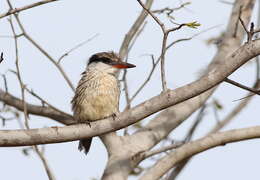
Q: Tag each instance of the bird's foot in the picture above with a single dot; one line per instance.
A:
(114, 116)
(87, 123)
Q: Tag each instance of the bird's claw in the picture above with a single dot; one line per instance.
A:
(114, 115)
(88, 123)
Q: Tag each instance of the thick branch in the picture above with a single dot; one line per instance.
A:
(159, 127)
(200, 145)
(155, 104)
(48, 112)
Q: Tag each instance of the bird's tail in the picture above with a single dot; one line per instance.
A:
(84, 144)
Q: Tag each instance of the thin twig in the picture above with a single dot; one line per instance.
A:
(176, 145)
(255, 91)
(169, 11)
(76, 47)
(24, 33)
(16, 10)
(226, 2)
(196, 123)
(165, 35)
(124, 78)
(129, 41)
(231, 116)
(191, 37)
(163, 149)
(215, 111)
(250, 32)
(22, 86)
(179, 167)
(154, 64)
(164, 42)
(233, 113)
(5, 83)
(45, 163)
(1, 57)
(42, 100)
(19, 74)
(4, 119)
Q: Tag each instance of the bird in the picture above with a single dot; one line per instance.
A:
(98, 91)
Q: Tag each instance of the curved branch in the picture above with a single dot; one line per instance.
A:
(141, 111)
(200, 145)
(48, 112)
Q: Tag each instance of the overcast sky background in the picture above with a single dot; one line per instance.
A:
(59, 26)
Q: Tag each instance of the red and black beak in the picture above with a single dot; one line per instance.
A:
(122, 65)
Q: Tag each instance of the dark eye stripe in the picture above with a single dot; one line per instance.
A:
(95, 58)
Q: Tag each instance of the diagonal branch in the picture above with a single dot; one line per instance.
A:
(56, 64)
(16, 10)
(198, 146)
(48, 112)
(135, 114)
(252, 90)
(216, 128)
(133, 30)
(166, 121)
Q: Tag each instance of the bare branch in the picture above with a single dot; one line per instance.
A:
(226, 2)
(19, 75)
(135, 114)
(176, 115)
(233, 113)
(16, 10)
(251, 31)
(219, 125)
(155, 63)
(255, 91)
(163, 149)
(133, 30)
(169, 11)
(22, 86)
(147, 79)
(165, 36)
(42, 100)
(48, 112)
(45, 163)
(1, 57)
(5, 83)
(76, 47)
(200, 145)
(25, 34)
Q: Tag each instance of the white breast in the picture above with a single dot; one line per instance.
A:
(97, 97)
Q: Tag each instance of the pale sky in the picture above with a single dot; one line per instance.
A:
(59, 26)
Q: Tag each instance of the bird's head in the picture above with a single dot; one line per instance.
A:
(108, 62)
